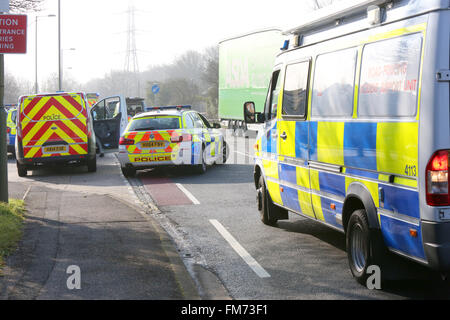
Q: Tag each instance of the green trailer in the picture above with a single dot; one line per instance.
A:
(245, 67)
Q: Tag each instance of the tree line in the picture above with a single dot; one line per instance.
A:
(192, 79)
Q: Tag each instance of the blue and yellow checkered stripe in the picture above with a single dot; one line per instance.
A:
(368, 152)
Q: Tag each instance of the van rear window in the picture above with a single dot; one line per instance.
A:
(156, 123)
(390, 77)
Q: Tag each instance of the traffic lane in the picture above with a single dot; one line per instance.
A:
(300, 266)
(305, 259)
(411, 279)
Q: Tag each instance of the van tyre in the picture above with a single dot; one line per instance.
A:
(225, 152)
(21, 170)
(269, 212)
(128, 172)
(365, 247)
(92, 165)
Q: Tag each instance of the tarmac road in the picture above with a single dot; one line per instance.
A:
(213, 221)
(297, 259)
(88, 220)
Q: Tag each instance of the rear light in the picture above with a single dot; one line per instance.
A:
(126, 142)
(178, 139)
(187, 137)
(437, 179)
(8, 130)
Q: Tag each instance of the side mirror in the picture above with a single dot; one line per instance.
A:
(216, 126)
(249, 112)
(260, 117)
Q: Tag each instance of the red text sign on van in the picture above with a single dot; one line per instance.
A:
(13, 33)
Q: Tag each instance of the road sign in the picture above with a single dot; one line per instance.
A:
(13, 33)
(155, 89)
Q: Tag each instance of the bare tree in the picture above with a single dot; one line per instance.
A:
(211, 79)
(190, 65)
(15, 87)
(50, 84)
(24, 5)
(175, 92)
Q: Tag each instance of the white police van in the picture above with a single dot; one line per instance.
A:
(357, 130)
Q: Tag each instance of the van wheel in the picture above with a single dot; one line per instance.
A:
(92, 165)
(128, 172)
(201, 168)
(365, 247)
(268, 211)
(21, 170)
(225, 151)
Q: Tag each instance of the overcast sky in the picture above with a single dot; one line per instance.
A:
(164, 30)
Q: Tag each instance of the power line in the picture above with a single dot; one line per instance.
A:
(131, 59)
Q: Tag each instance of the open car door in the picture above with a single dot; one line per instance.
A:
(110, 121)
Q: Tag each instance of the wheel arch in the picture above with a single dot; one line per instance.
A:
(359, 197)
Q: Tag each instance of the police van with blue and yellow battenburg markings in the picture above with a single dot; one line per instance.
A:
(356, 130)
(11, 129)
(168, 136)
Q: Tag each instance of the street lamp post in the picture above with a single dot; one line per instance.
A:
(61, 65)
(36, 86)
(59, 48)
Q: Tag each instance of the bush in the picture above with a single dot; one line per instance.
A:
(11, 222)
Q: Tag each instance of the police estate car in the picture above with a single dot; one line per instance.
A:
(166, 136)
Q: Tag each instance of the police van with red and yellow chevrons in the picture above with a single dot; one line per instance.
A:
(356, 130)
(168, 136)
(54, 128)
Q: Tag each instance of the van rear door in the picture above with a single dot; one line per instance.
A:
(110, 121)
(54, 125)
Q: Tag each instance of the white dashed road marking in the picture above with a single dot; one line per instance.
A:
(188, 194)
(240, 250)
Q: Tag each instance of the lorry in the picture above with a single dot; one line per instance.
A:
(245, 65)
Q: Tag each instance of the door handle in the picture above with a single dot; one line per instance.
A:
(283, 136)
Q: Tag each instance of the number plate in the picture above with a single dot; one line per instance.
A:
(153, 144)
(55, 149)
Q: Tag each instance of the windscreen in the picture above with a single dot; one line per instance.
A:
(155, 123)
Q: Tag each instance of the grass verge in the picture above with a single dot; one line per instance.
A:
(11, 223)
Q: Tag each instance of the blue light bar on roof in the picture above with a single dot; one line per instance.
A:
(167, 108)
(285, 45)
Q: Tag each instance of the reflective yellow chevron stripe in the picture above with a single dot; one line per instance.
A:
(54, 118)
